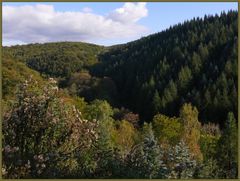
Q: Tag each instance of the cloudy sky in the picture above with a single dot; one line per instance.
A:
(100, 23)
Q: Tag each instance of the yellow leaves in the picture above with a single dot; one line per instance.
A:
(124, 136)
(192, 126)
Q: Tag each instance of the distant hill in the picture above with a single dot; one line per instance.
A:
(56, 59)
(13, 74)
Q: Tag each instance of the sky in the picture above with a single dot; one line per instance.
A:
(103, 23)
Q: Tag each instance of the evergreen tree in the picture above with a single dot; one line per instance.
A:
(144, 161)
(156, 102)
(228, 148)
(104, 149)
(180, 162)
(184, 77)
(208, 170)
(196, 63)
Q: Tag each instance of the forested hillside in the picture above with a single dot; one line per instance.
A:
(13, 74)
(164, 106)
(56, 59)
(191, 62)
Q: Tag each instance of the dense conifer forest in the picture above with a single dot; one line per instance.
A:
(163, 106)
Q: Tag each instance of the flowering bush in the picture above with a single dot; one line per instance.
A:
(43, 136)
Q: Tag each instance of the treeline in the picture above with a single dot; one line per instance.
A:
(56, 59)
(195, 61)
(48, 134)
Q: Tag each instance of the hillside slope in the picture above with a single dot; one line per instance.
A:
(56, 59)
(13, 74)
(191, 62)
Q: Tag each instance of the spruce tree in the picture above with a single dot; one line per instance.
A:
(180, 162)
(144, 160)
(227, 148)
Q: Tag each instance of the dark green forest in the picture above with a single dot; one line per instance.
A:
(163, 106)
(191, 62)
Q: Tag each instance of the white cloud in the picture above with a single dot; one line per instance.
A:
(87, 10)
(130, 12)
(42, 23)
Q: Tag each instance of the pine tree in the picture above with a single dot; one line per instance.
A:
(207, 97)
(208, 170)
(156, 102)
(184, 77)
(104, 149)
(180, 162)
(227, 148)
(152, 154)
(196, 63)
(144, 160)
(172, 88)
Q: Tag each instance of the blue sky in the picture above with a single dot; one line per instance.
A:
(101, 23)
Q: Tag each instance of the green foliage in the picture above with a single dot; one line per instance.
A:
(167, 130)
(208, 145)
(84, 85)
(184, 77)
(99, 110)
(180, 162)
(185, 63)
(14, 73)
(156, 101)
(56, 59)
(74, 131)
(103, 152)
(46, 136)
(125, 136)
(210, 134)
(80, 104)
(208, 170)
(196, 63)
(43, 135)
(227, 148)
(144, 160)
